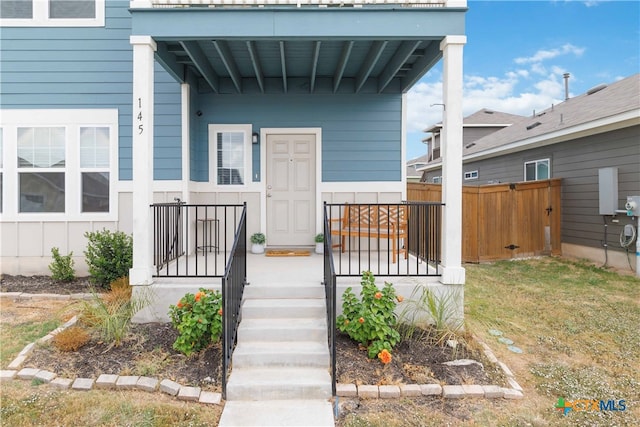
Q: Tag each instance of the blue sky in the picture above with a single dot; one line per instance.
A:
(517, 51)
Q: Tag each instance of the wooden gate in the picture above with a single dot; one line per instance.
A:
(504, 221)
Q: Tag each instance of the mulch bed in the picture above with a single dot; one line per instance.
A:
(147, 350)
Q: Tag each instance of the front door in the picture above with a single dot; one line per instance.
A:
(291, 189)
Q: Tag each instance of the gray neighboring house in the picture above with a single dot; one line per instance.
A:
(413, 166)
(578, 140)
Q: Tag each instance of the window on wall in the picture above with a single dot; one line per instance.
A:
(437, 180)
(537, 170)
(471, 175)
(41, 169)
(62, 163)
(94, 168)
(52, 13)
(229, 154)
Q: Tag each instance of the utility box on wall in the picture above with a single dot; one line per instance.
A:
(608, 190)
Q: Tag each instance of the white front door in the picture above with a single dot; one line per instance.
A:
(291, 189)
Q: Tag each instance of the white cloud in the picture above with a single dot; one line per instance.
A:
(543, 55)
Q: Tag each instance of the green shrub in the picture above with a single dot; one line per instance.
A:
(109, 256)
(62, 266)
(198, 319)
(371, 320)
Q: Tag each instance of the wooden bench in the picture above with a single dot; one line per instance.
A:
(373, 222)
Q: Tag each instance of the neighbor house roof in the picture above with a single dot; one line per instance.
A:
(601, 109)
(481, 118)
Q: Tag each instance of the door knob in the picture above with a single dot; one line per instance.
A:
(268, 194)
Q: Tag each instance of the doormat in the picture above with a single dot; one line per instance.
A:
(287, 252)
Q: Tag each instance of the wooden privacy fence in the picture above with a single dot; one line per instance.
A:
(503, 221)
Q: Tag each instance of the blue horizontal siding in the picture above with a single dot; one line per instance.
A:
(361, 134)
(50, 68)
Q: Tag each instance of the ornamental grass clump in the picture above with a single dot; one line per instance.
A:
(371, 320)
(198, 319)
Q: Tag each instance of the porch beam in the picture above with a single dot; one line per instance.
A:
(283, 63)
(314, 65)
(369, 63)
(342, 64)
(431, 56)
(169, 62)
(201, 62)
(397, 61)
(255, 62)
(227, 59)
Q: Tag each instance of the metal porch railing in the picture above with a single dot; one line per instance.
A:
(388, 239)
(330, 298)
(193, 240)
(233, 283)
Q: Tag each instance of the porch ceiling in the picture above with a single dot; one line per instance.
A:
(299, 50)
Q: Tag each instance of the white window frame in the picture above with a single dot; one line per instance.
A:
(72, 121)
(536, 162)
(41, 18)
(437, 179)
(214, 129)
(2, 169)
(469, 175)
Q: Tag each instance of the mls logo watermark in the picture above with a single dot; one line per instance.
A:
(567, 406)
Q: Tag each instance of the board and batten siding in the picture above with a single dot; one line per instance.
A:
(361, 134)
(577, 162)
(86, 68)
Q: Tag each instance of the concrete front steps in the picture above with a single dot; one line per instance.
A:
(280, 374)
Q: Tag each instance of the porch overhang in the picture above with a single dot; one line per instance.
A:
(231, 50)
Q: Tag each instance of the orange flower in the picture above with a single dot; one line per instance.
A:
(378, 295)
(361, 320)
(400, 298)
(346, 321)
(384, 356)
(220, 312)
(199, 295)
(180, 305)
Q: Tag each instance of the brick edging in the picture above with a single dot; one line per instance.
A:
(445, 391)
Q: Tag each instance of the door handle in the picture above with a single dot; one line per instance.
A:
(268, 194)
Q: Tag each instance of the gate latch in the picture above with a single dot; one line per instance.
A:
(512, 247)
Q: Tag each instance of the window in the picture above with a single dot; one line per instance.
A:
(537, 170)
(471, 175)
(41, 169)
(52, 13)
(437, 180)
(229, 154)
(62, 163)
(94, 168)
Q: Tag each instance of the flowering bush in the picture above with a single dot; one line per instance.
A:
(198, 319)
(371, 321)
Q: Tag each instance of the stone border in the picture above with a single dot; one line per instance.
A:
(445, 391)
(104, 381)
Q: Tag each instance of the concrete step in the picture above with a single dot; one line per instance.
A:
(301, 329)
(283, 308)
(278, 384)
(253, 354)
(284, 291)
(271, 413)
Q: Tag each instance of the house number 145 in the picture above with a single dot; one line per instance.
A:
(140, 125)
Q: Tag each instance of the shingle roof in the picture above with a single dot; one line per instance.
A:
(483, 117)
(601, 102)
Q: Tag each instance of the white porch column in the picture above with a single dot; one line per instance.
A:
(451, 146)
(142, 162)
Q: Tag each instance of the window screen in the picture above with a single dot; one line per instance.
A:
(16, 9)
(72, 9)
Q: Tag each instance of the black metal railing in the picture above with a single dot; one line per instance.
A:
(193, 240)
(233, 283)
(388, 239)
(330, 297)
